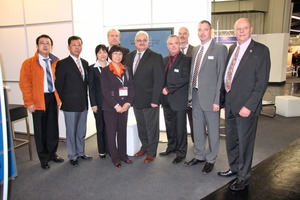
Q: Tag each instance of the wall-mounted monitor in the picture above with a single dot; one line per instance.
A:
(157, 39)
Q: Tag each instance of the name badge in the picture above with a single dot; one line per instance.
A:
(176, 70)
(210, 57)
(123, 91)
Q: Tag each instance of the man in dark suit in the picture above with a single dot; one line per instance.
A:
(245, 81)
(187, 49)
(148, 70)
(113, 38)
(208, 65)
(71, 84)
(175, 98)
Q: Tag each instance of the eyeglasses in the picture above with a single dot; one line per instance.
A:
(242, 28)
(44, 44)
(142, 40)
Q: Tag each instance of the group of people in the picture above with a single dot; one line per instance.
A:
(191, 81)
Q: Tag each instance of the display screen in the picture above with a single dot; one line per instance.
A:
(157, 39)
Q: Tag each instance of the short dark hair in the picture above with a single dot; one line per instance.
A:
(74, 38)
(205, 22)
(115, 48)
(43, 36)
(100, 47)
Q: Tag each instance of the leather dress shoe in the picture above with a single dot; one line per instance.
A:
(128, 161)
(238, 185)
(57, 159)
(177, 160)
(86, 157)
(102, 156)
(226, 173)
(118, 164)
(140, 152)
(45, 166)
(149, 159)
(194, 161)
(74, 162)
(164, 153)
(208, 167)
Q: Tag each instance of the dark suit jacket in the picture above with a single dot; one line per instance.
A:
(72, 89)
(95, 91)
(177, 82)
(148, 78)
(251, 78)
(189, 51)
(110, 85)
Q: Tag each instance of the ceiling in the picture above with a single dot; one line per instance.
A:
(295, 23)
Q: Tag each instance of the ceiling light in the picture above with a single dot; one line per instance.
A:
(295, 17)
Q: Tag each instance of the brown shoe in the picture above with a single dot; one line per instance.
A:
(149, 159)
(140, 152)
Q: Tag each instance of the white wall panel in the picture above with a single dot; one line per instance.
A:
(43, 11)
(117, 13)
(11, 12)
(58, 32)
(174, 11)
(13, 51)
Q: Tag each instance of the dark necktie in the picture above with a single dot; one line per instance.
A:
(49, 77)
(197, 67)
(137, 63)
(170, 63)
(229, 77)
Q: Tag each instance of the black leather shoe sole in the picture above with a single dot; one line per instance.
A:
(238, 185)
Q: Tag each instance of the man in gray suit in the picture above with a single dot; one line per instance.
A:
(208, 65)
(245, 82)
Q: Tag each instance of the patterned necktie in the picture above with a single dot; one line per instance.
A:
(49, 77)
(79, 67)
(197, 67)
(230, 70)
(137, 63)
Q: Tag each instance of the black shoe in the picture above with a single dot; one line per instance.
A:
(208, 167)
(102, 156)
(177, 160)
(165, 153)
(57, 159)
(194, 161)
(238, 185)
(226, 173)
(74, 162)
(86, 157)
(45, 166)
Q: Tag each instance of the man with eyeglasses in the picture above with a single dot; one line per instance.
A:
(245, 81)
(148, 75)
(42, 100)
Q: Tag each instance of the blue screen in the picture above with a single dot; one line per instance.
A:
(157, 39)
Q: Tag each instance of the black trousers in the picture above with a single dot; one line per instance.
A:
(101, 133)
(46, 133)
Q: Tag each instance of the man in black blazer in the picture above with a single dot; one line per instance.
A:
(148, 76)
(71, 84)
(187, 50)
(245, 81)
(175, 98)
(113, 38)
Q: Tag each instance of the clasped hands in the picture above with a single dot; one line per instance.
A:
(124, 108)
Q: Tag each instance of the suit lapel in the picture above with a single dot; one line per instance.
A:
(245, 58)
(205, 56)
